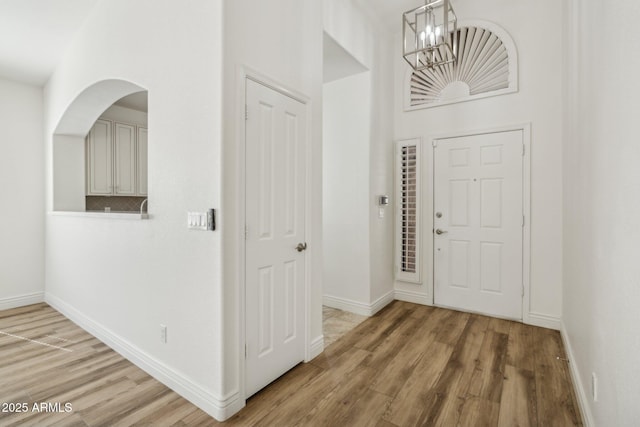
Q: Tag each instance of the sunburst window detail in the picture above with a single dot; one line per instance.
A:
(487, 65)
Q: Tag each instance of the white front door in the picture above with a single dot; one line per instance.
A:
(478, 220)
(275, 224)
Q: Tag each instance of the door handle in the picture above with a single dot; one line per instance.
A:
(438, 231)
(301, 247)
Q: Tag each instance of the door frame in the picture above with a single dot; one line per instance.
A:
(428, 158)
(244, 73)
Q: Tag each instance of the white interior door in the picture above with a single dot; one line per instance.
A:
(275, 215)
(478, 220)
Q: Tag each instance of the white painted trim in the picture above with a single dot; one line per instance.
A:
(528, 316)
(317, 347)
(357, 307)
(311, 345)
(382, 302)
(542, 320)
(581, 392)
(414, 297)
(101, 215)
(21, 300)
(240, 187)
(219, 407)
(526, 231)
(347, 305)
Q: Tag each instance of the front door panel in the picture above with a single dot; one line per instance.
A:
(478, 204)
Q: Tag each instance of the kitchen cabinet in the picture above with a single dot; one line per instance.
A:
(99, 159)
(116, 159)
(142, 161)
(125, 166)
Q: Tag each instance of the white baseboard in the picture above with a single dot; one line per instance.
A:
(414, 297)
(542, 320)
(21, 300)
(358, 307)
(382, 302)
(218, 407)
(317, 347)
(581, 393)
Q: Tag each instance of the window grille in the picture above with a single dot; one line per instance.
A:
(487, 65)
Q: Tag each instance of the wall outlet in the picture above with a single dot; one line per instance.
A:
(594, 386)
(163, 334)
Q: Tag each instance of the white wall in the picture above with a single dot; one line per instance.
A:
(69, 174)
(282, 41)
(122, 278)
(602, 207)
(22, 201)
(536, 34)
(370, 44)
(345, 186)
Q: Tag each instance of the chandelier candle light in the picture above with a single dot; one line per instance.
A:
(430, 35)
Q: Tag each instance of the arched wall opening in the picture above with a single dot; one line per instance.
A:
(70, 156)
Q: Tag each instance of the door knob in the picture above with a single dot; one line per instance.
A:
(438, 231)
(301, 247)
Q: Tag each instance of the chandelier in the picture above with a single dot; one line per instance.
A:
(430, 36)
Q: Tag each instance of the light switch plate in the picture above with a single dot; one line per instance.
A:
(197, 220)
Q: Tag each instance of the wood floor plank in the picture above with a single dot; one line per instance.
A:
(271, 398)
(389, 347)
(475, 411)
(407, 365)
(367, 410)
(518, 401)
(449, 393)
(558, 408)
(452, 326)
(488, 375)
(298, 405)
(500, 326)
(374, 327)
(407, 409)
(338, 402)
(375, 336)
(398, 370)
(166, 410)
(520, 351)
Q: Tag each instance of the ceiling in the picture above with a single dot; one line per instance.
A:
(136, 101)
(337, 62)
(387, 13)
(34, 34)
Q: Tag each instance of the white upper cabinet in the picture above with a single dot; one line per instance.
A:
(142, 161)
(99, 159)
(125, 165)
(116, 159)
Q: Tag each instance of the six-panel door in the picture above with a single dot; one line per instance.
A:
(478, 220)
(275, 206)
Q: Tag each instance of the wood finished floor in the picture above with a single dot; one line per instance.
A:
(408, 365)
